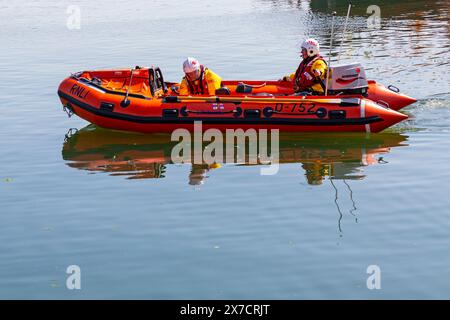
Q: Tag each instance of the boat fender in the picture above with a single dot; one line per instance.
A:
(337, 114)
(106, 106)
(170, 113)
(252, 113)
(171, 99)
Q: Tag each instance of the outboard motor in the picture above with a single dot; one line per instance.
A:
(347, 79)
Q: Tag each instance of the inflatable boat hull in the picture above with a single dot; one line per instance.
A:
(144, 113)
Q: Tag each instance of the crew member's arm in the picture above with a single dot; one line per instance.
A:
(319, 68)
(289, 77)
(213, 81)
(184, 89)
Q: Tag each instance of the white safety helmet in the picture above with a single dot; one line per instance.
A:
(311, 46)
(191, 65)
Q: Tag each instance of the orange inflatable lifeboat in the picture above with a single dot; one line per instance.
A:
(140, 100)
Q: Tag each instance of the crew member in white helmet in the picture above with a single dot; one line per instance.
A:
(311, 74)
(198, 79)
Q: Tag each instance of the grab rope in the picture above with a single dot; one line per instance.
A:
(254, 86)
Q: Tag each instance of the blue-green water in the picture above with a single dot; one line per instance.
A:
(141, 227)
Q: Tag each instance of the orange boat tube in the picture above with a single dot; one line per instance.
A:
(389, 97)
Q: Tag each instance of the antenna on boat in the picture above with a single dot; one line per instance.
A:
(329, 56)
(345, 29)
(125, 102)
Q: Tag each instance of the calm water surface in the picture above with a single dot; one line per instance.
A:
(141, 227)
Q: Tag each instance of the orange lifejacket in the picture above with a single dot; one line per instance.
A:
(304, 78)
(201, 87)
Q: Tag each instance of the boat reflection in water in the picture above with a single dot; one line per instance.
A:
(139, 156)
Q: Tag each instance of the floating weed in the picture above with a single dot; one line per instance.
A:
(368, 54)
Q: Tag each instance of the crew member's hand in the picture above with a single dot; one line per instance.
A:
(285, 78)
(316, 72)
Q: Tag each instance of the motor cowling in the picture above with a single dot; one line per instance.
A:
(348, 79)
